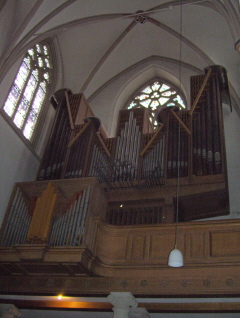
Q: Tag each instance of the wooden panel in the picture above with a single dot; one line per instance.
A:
(225, 243)
(157, 249)
(203, 205)
(111, 247)
(42, 216)
(84, 109)
(147, 125)
(197, 245)
(138, 247)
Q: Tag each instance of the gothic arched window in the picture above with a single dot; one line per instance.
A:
(155, 95)
(29, 89)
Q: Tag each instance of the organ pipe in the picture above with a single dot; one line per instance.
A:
(136, 156)
(17, 221)
(68, 228)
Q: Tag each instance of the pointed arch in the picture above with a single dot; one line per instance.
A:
(156, 94)
(29, 89)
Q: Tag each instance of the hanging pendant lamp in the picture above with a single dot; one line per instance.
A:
(175, 258)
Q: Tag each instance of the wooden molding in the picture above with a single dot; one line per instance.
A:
(221, 281)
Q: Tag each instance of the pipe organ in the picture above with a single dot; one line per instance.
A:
(140, 157)
(132, 159)
(100, 216)
(138, 169)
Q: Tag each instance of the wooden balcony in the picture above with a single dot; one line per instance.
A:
(109, 257)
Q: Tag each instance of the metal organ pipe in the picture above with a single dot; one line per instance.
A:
(215, 129)
(68, 229)
(45, 168)
(18, 221)
(207, 157)
(153, 162)
(55, 153)
(100, 166)
(125, 163)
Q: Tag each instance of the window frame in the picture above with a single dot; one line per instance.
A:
(38, 129)
(139, 90)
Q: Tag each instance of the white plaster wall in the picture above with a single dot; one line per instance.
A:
(232, 140)
(17, 164)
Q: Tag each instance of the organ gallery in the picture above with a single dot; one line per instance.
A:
(105, 206)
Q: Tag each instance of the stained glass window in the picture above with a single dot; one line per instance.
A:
(28, 91)
(155, 95)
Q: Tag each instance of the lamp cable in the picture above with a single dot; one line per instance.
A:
(179, 130)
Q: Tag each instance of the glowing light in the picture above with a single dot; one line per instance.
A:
(59, 297)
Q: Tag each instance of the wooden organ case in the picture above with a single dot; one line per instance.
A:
(140, 159)
(90, 186)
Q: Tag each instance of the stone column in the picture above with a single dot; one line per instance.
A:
(122, 303)
(139, 312)
(9, 311)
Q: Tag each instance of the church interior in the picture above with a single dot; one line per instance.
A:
(120, 158)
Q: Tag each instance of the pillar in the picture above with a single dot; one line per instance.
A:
(122, 302)
(139, 312)
(9, 311)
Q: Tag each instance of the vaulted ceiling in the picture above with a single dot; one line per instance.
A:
(107, 49)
